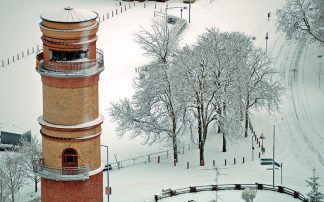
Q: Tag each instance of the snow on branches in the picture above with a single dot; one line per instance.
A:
(302, 19)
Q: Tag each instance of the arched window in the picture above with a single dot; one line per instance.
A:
(69, 158)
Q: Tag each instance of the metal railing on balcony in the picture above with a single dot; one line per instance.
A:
(63, 174)
(70, 68)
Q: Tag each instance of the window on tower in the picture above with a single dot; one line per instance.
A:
(69, 158)
(68, 55)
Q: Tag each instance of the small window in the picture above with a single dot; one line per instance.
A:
(69, 158)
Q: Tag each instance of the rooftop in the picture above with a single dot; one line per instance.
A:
(13, 129)
(69, 15)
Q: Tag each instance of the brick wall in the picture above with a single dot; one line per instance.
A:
(69, 191)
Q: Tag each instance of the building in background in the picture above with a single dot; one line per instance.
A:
(14, 135)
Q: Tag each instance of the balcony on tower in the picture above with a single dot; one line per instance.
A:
(69, 64)
(69, 44)
(62, 174)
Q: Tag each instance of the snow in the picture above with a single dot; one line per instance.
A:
(69, 14)
(299, 135)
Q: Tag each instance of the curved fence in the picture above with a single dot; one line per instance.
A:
(194, 189)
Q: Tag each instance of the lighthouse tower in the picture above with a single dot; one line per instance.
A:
(69, 65)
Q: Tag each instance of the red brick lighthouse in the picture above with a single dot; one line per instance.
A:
(69, 65)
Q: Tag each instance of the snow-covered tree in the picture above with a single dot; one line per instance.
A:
(3, 189)
(195, 72)
(157, 109)
(13, 172)
(260, 90)
(31, 152)
(249, 194)
(157, 42)
(302, 19)
(314, 195)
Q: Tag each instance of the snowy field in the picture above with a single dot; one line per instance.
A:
(300, 132)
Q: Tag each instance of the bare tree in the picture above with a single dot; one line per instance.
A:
(157, 110)
(302, 19)
(31, 152)
(260, 91)
(3, 190)
(13, 172)
(158, 42)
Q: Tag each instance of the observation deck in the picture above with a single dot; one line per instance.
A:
(70, 69)
(62, 174)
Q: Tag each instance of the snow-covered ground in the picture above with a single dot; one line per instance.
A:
(299, 134)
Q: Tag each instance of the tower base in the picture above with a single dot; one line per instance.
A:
(90, 190)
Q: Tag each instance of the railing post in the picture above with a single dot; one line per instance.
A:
(33, 50)
(13, 58)
(234, 161)
(213, 162)
(225, 162)
(167, 153)
(243, 160)
(149, 158)
(22, 54)
(187, 165)
(17, 56)
(2, 63)
(8, 61)
(158, 159)
(183, 150)
(28, 51)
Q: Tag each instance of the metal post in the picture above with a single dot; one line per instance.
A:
(319, 74)
(181, 12)
(267, 37)
(107, 170)
(281, 173)
(273, 155)
(189, 9)
(166, 20)
(252, 149)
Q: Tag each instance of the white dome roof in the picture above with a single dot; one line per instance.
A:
(69, 14)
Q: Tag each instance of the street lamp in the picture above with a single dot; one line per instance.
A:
(319, 74)
(273, 155)
(166, 15)
(267, 37)
(107, 173)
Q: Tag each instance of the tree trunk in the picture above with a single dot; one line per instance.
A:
(12, 197)
(224, 143)
(35, 183)
(201, 154)
(246, 119)
(199, 127)
(175, 150)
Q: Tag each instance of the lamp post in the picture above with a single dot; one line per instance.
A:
(107, 171)
(273, 155)
(166, 15)
(319, 74)
(266, 38)
(189, 9)
(252, 148)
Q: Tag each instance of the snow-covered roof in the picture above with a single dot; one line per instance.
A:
(68, 14)
(14, 129)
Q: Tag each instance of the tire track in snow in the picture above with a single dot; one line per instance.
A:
(300, 128)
